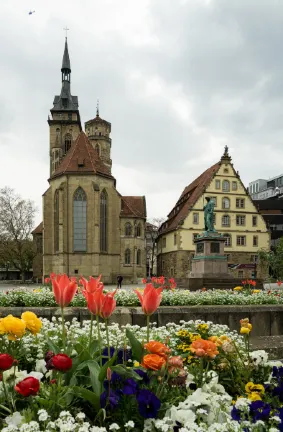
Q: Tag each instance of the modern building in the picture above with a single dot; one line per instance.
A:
(272, 211)
(236, 216)
(88, 227)
(263, 189)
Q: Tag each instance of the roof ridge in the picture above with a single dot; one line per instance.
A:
(71, 155)
(131, 208)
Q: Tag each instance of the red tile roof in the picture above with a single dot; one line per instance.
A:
(133, 206)
(38, 229)
(82, 158)
(188, 198)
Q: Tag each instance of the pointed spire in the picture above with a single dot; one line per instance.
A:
(66, 65)
(97, 108)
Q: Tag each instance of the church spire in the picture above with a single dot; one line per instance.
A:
(66, 65)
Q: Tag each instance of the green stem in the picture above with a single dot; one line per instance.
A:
(90, 332)
(99, 339)
(63, 329)
(107, 336)
(147, 325)
(5, 392)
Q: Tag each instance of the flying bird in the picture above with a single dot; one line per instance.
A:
(31, 12)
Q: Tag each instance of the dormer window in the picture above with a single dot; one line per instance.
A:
(81, 162)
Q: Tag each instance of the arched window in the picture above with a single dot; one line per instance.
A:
(138, 230)
(226, 220)
(127, 256)
(128, 229)
(228, 240)
(68, 142)
(103, 221)
(56, 221)
(226, 186)
(97, 149)
(138, 257)
(225, 203)
(80, 221)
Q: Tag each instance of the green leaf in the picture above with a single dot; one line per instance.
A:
(53, 347)
(94, 371)
(94, 347)
(103, 370)
(125, 372)
(87, 395)
(137, 348)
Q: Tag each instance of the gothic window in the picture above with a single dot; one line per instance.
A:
(127, 256)
(80, 220)
(138, 230)
(56, 221)
(103, 221)
(97, 149)
(226, 186)
(138, 257)
(68, 142)
(225, 203)
(128, 229)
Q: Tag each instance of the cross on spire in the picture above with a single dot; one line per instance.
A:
(66, 30)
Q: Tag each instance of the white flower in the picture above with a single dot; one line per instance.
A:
(42, 415)
(242, 403)
(275, 419)
(37, 375)
(114, 426)
(80, 416)
(40, 366)
(130, 424)
(15, 419)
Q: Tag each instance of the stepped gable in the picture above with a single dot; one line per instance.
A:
(188, 198)
(82, 159)
(133, 206)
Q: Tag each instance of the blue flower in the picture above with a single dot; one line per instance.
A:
(116, 379)
(277, 372)
(278, 391)
(259, 411)
(236, 414)
(130, 386)
(143, 375)
(109, 398)
(124, 355)
(105, 354)
(149, 404)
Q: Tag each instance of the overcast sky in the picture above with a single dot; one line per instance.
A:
(178, 80)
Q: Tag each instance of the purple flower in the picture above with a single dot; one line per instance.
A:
(278, 391)
(236, 414)
(143, 375)
(109, 398)
(260, 411)
(105, 354)
(149, 404)
(130, 386)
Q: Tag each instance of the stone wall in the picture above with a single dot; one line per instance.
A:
(267, 320)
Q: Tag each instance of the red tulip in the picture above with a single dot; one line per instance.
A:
(64, 289)
(93, 284)
(47, 280)
(62, 362)
(108, 305)
(151, 298)
(144, 281)
(29, 386)
(94, 300)
(6, 362)
(279, 283)
(161, 280)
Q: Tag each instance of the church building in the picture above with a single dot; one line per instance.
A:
(88, 227)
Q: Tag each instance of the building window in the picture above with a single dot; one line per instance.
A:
(195, 218)
(240, 274)
(56, 221)
(39, 248)
(68, 142)
(69, 116)
(226, 220)
(80, 220)
(175, 239)
(234, 186)
(225, 203)
(255, 241)
(138, 257)
(217, 184)
(103, 221)
(127, 256)
(226, 186)
(240, 220)
(97, 149)
(195, 236)
(254, 221)
(228, 240)
(138, 230)
(164, 242)
(241, 240)
(228, 257)
(240, 203)
(128, 229)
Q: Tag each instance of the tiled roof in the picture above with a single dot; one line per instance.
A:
(82, 158)
(38, 229)
(188, 198)
(133, 206)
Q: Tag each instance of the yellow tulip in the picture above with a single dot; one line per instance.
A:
(33, 324)
(244, 330)
(14, 327)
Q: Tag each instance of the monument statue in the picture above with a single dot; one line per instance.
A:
(208, 215)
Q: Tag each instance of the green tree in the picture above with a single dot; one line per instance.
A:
(273, 259)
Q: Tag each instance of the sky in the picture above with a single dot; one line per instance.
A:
(178, 80)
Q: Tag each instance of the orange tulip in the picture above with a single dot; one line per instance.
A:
(92, 285)
(108, 306)
(64, 289)
(153, 362)
(158, 348)
(151, 298)
(94, 300)
(204, 348)
(279, 283)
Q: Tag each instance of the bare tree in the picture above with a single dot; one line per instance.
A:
(16, 223)
(152, 228)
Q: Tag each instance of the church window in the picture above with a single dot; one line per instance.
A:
(138, 257)
(225, 203)
(226, 186)
(56, 221)
(103, 221)
(228, 240)
(138, 230)
(97, 149)
(80, 220)
(127, 256)
(68, 142)
(128, 229)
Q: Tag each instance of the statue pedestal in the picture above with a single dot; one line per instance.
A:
(209, 260)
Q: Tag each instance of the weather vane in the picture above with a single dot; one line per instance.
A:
(66, 30)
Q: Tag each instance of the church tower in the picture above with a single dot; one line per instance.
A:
(65, 122)
(98, 132)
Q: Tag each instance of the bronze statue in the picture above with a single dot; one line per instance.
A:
(208, 215)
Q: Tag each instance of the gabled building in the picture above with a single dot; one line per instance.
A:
(236, 216)
(88, 227)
